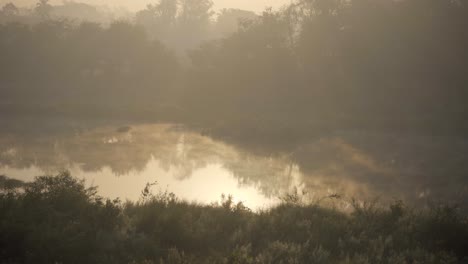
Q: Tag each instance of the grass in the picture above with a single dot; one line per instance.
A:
(57, 219)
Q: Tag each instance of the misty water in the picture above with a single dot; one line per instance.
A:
(121, 159)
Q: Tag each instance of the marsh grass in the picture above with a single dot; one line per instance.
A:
(57, 219)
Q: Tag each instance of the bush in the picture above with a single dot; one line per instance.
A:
(57, 219)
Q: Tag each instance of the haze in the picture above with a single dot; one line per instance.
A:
(135, 5)
(187, 131)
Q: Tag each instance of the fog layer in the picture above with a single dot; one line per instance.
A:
(366, 91)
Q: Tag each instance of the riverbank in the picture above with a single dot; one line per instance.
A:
(59, 220)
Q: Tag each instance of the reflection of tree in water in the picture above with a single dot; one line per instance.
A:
(366, 164)
(176, 150)
(352, 164)
(412, 167)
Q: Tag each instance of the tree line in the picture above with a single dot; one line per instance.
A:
(357, 64)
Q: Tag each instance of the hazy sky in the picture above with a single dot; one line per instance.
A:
(254, 5)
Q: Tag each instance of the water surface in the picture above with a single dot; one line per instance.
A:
(121, 159)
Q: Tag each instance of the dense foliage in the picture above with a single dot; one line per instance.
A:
(54, 64)
(57, 219)
(314, 65)
(360, 64)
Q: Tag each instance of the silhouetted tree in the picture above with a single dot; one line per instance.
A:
(159, 19)
(10, 10)
(230, 20)
(43, 9)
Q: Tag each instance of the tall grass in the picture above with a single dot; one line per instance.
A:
(57, 219)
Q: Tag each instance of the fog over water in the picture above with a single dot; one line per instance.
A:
(122, 159)
(355, 98)
(193, 166)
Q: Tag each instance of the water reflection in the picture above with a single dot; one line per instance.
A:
(122, 159)
(401, 166)
(205, 184)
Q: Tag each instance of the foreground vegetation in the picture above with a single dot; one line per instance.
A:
(57, 219)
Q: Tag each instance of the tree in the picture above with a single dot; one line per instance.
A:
(158, 19)
(229, 20)
(10, 10)
(167, 11)
(195, 13)
(181, 24)
(43, 9)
